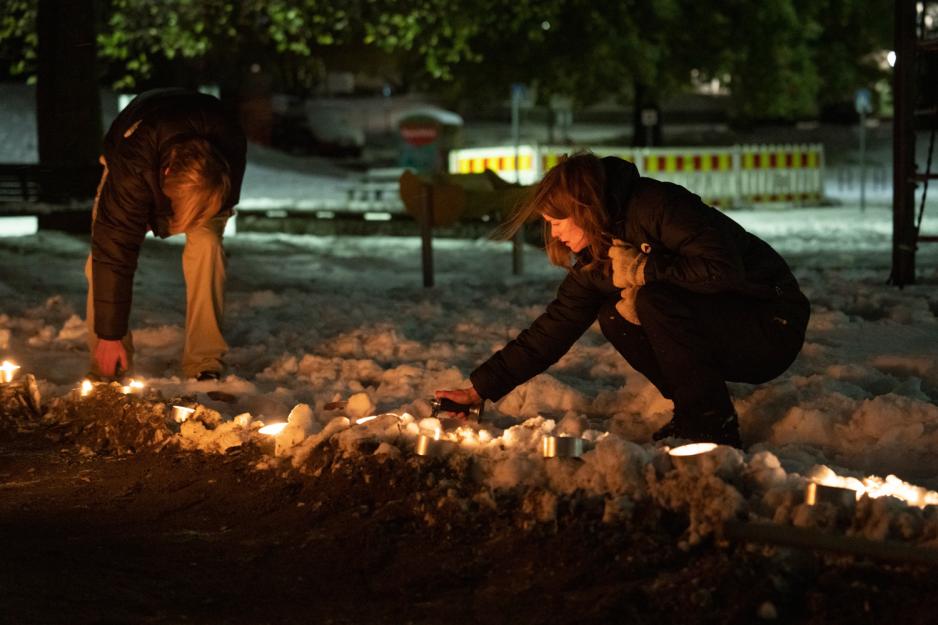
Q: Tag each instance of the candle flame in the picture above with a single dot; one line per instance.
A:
(694, 449)
(273, 429)
(181, 413)
(7, 370)
(133, 386)
(874, 486)
(436, 434)
(86, 388)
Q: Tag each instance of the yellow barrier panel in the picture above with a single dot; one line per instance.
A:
(723, 176)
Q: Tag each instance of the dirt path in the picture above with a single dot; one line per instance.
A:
(189, 538)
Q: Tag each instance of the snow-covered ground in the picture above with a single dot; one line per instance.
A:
(311, 320)
(315, 319)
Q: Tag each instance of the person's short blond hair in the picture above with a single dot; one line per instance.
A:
(197, 181)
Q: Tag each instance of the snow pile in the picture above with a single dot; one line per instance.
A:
(710, 488)
(107, 421)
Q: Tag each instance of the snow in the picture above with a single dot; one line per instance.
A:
(312, 321)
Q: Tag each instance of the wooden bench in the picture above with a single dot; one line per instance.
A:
(32, 183)
(19, 183)
(443, 199)
(58, 198)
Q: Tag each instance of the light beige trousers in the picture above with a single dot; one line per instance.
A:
(204, 267)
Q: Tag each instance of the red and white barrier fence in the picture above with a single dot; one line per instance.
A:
(725, 176)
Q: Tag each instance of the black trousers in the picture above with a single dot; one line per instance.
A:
(689, 345)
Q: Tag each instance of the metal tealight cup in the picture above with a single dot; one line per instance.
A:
(562, 447)
(815, 494)
(432, 447)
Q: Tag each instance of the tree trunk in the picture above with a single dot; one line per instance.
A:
(68, 103)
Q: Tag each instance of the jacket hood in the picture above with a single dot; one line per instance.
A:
(621, 179)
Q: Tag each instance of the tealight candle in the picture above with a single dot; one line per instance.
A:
(273, 429)
(562, 447)
(821, 493)
(693, 449)
(696, 458)
(434, 447)
(135, 386)
(181, 413)
(8, 371)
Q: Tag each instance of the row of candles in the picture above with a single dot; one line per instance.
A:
(828, 487)
(435, 446)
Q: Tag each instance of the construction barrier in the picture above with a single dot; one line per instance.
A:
(728, 176)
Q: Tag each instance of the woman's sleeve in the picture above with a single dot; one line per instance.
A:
(700, 251)
(545, 342)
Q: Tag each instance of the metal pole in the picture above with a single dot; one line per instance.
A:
(862, 161)
(517, 242)
(426, 234)
(903, 147)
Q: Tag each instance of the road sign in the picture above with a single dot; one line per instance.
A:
(649, 117)
(863, 101)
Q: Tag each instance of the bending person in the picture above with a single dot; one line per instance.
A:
(173, 164)
(683, 292)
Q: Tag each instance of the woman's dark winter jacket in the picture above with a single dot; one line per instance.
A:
(689, 244)
(131, 200)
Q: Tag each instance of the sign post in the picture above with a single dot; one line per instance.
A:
(518, 93)
(649, 121)
(863, 103)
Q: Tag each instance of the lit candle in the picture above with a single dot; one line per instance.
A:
(7, 371)
(693, 449)
(696, 458)
(562, 447)
(181, 413)
(86, 388)
(822, 493)
(273, 429)
(434, 447)
(135, 387)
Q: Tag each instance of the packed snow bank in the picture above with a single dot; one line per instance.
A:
(710, 484)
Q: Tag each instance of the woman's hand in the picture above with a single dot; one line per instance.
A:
(464, 396)
(468, 396)
(628, 264)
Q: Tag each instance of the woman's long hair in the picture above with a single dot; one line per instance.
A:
(571, 189)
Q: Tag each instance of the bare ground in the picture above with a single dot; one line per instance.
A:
(183, 537)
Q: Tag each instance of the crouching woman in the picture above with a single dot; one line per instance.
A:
(687, 296)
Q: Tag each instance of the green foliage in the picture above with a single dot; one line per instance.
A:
(18, 38)
(780, 58)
